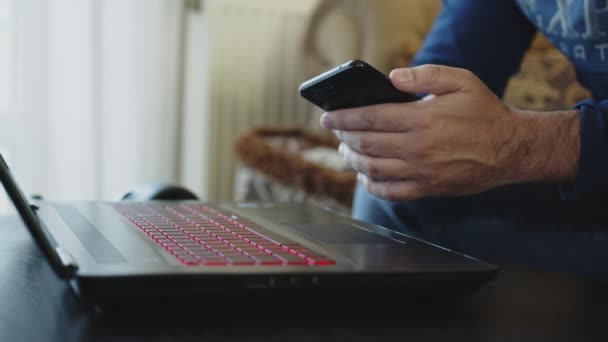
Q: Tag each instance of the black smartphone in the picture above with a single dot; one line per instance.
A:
(352, 84)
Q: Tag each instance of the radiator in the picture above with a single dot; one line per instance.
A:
(247, 57)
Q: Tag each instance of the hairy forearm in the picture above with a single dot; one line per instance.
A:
(546, 147)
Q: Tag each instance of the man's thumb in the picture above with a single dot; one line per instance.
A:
(430, 79)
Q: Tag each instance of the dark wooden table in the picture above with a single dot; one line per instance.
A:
(521, 304)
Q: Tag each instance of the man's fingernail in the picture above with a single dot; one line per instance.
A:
(326, 121)
(403, 75)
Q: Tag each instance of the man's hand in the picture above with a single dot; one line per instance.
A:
(461, 139)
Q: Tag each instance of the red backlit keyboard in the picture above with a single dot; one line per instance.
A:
(201, 235)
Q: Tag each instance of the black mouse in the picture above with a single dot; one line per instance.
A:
(158, 191)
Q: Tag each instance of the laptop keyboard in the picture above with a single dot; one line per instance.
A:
(202, 235)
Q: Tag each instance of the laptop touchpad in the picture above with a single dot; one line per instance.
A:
(337, 233)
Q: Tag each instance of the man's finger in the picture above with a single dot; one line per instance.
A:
(378, 169)
(393, 191)
(375, 144)
(431, 79)
(388, 117)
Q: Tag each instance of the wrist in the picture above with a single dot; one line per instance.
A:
(546, 147)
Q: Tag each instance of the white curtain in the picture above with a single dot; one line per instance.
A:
(96, 95)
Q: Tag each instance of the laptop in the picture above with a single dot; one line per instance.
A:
(188, 251)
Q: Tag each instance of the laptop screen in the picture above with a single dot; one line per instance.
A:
(29, 217)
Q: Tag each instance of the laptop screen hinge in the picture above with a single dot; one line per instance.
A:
(67, 260)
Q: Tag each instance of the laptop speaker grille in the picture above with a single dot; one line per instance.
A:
(96, 244)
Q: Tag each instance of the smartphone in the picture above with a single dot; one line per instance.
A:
(352, 84)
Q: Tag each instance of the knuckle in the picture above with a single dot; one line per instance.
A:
(431, 72)
(371, 119)
(424, 152)
(423, 120)
(396, 147)
(432, 180)
(422, 149)
(338, 120)
(396, 121)
(373, 170)
(364, 145)
(468, 74)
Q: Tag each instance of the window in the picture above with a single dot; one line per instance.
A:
(75, 85)
(5, 85)
(5, 55)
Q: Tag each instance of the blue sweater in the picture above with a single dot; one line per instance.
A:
(489, 37)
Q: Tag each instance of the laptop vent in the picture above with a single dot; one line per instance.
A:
(96, 244)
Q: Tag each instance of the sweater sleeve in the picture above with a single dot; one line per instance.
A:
(488, 38)
(592, 176)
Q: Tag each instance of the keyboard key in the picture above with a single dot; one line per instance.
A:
(214, 262)
(266, 259)
(239, 259)
(324, 262)
(291, 259)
